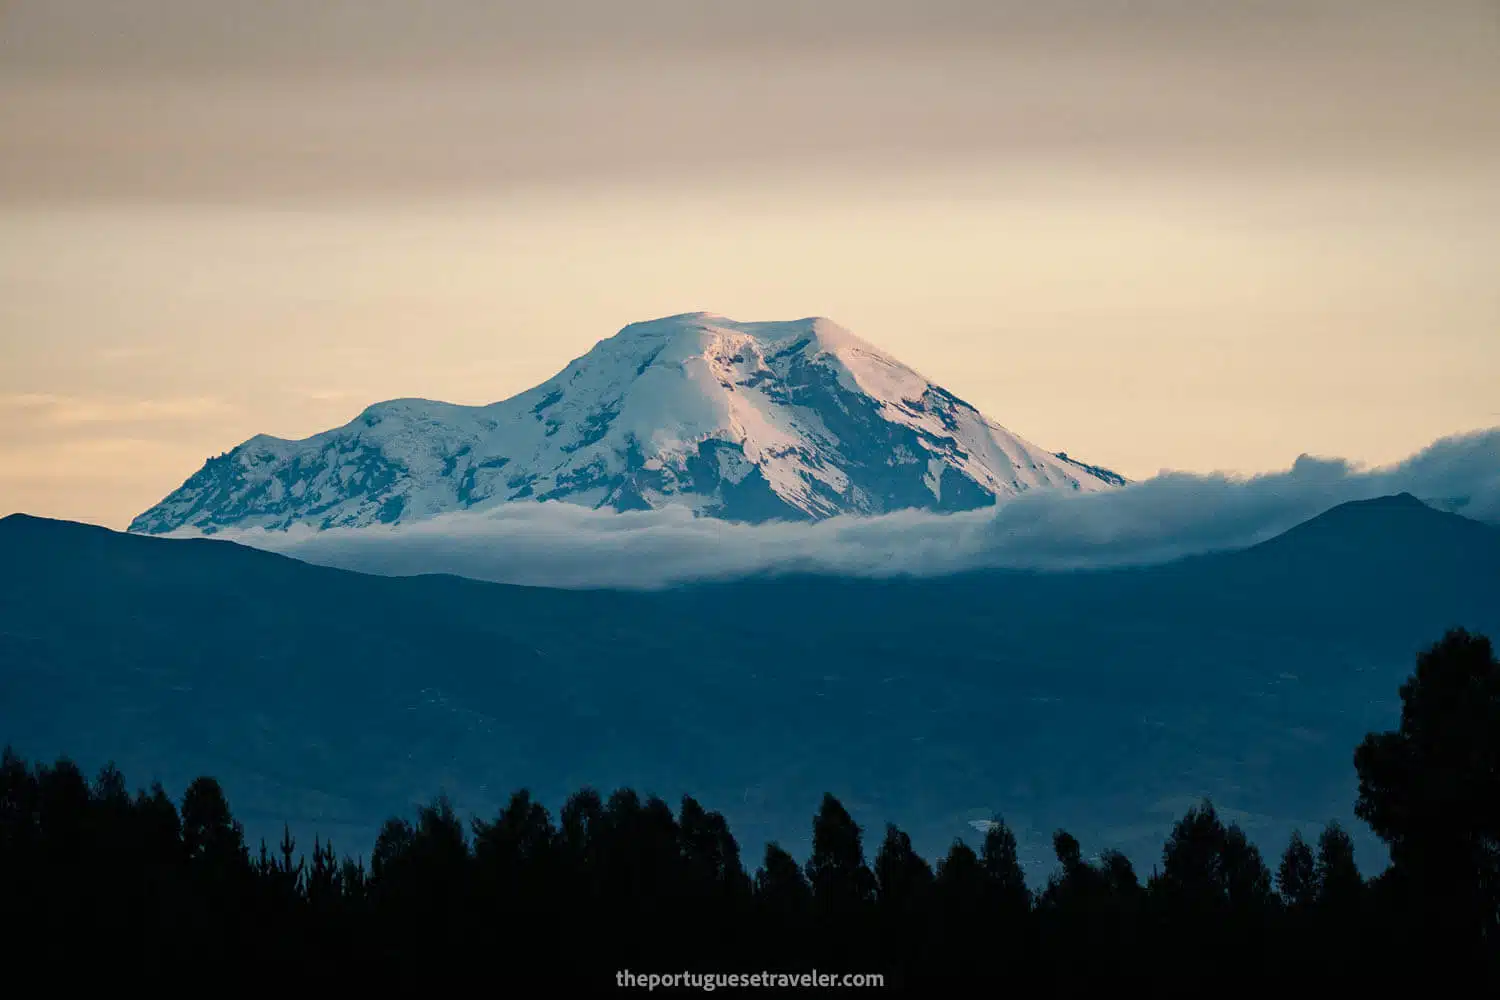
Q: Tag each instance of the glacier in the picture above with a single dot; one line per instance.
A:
(752, 422)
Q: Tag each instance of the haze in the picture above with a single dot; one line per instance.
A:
(1190, 235)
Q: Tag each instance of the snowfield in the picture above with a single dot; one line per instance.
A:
(752, 422)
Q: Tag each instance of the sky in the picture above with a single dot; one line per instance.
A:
(1157, 234)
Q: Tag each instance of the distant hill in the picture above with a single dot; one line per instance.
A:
(1102, 701)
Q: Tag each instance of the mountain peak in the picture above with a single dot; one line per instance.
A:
(820, 329)
(1395, 501)
(746, 421)
(712, 334)
(1390, 503)
(1346, 529)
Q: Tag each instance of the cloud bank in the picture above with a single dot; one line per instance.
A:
(1166, 517)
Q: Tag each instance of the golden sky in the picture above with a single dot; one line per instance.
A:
(1156, 233)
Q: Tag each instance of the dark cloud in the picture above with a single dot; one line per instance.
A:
(1166, 517)
(164, 38)
(284, 99)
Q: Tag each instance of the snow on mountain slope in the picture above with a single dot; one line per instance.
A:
(741, 421)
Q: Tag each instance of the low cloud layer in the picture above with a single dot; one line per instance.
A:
(1163, 518)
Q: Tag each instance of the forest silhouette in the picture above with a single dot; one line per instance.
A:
(97, 881)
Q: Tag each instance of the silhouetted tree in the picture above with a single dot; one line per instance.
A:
(903, 887)
(218, 868)
(1002, 868)
(517, 876)
(711, 854)
(1339, 884)
(716, 891)
(783, 907)
(1213, 892)
(843, 886)
(211, 836)
(1092, 908)
(580, 832)
(1431, 790)
(325, 879)
(516, 854)
(1299, 950)
(420, 881)
(160, 826)
(1339, 916)
(1296, 877)
(85, 869)
(960, 920)
(902, 878)
(640, 868)
(1120, 879)
(111, 793)
(392, 847)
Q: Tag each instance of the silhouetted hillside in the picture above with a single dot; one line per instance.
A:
(625, 890)
(1101, 701)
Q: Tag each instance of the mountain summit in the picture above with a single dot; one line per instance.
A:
(739, 421)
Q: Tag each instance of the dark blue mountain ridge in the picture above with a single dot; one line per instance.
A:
(1100, 701)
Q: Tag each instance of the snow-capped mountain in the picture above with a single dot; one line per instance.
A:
(741, 421)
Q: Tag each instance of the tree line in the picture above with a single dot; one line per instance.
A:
(93, 877)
